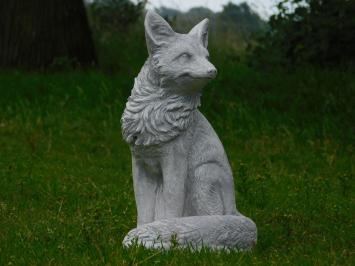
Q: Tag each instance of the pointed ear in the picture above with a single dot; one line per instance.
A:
(157, 31)
(201, 32)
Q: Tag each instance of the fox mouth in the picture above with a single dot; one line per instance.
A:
(188, 75)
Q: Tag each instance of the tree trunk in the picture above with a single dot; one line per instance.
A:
(34, 33)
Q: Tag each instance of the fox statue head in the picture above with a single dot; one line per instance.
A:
(180, 61)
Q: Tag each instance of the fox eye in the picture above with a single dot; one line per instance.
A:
(185, 56)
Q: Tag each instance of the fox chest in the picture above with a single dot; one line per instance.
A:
(179, 145)
(154, 157)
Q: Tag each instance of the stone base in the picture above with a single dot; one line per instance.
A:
(215, 232)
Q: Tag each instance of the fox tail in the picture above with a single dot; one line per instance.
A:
(215, 232)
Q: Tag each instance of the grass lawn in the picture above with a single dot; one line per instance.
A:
(66, 194)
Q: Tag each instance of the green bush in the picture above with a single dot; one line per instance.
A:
(314, 32)
(114, 15)
(117, 30)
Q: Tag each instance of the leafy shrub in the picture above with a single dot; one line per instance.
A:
(116, 26)
(318, 32)
(114, 15)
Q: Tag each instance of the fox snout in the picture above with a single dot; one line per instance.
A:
(212, 72)
(200, 68)
(205, 70)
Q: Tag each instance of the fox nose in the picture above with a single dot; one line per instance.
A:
(212, 72)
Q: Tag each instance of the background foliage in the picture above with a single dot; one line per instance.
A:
(317, 32)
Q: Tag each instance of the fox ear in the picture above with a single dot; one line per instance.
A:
(201, 32)
(157, 31)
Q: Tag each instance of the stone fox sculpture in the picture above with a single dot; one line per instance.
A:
(183, 183)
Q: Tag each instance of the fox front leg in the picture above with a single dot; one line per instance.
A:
(172, 195)
(145, 186)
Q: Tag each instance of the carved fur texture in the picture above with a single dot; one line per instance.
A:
(183, 182)
(152, 114)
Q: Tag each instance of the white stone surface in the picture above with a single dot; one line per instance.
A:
(182, 179)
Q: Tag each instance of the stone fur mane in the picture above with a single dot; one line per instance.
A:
(154, 115)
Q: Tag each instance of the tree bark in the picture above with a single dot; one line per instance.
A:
(34, 33)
